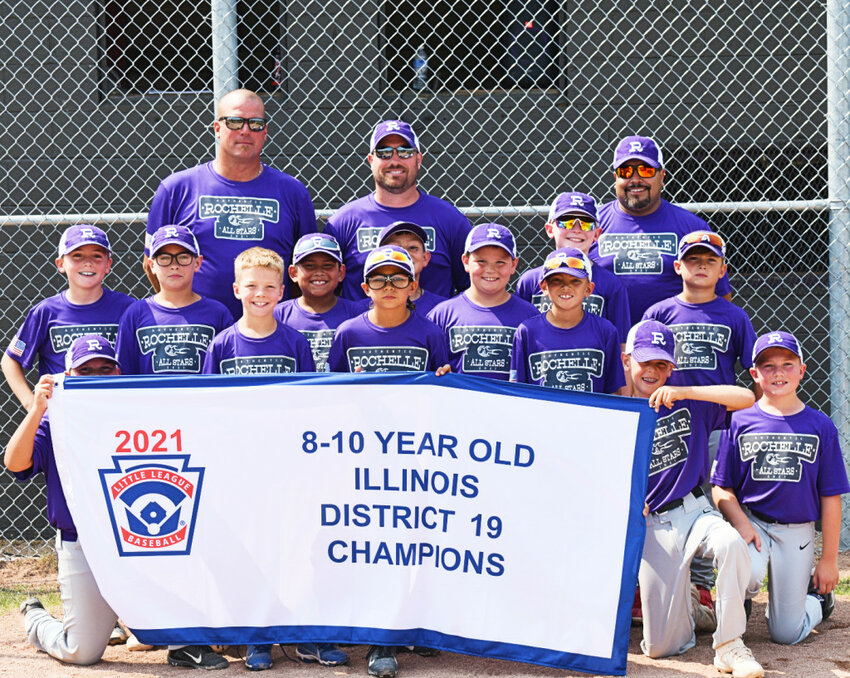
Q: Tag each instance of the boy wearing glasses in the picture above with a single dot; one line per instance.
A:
(233, 202)
(170, 332)
(572, 223)
(395, 157)
(566, 347)
(86, 307)
(317, 269)
(641, 230)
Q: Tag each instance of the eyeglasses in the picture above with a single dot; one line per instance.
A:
(386, 152)
(644, 171)
(235, 123)
(166, 259)
(379, 282)
(575, 222)
(703, 237)
(316, 242)
(569, 262)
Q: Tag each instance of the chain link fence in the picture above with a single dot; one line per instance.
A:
(513, 101)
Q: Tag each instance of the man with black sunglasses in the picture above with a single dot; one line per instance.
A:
(395, 157)
(641, 231)
(235, 201)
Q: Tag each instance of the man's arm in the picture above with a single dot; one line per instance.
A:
(19, 451)
(17, 381)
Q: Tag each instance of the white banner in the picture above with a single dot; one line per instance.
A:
(458, 513)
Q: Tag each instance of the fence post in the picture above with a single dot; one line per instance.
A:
(838, 154)
(225, 54)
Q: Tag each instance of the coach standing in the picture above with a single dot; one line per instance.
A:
(641, 231)
(395, 158)
(235, 201)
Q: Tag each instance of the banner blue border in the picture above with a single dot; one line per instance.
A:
(635, 530)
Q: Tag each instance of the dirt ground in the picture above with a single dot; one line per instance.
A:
(825, 653)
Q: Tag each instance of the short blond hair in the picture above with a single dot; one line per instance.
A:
(258, 257)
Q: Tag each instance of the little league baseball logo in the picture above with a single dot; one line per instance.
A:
(152, 503)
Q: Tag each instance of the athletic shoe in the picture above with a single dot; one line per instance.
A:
(134, 645)
(258, 657)
(420, 650)
(702, 606)
(325, 654)
(31, 604)
(734, 657)
(197, 657)
(637, 611)
(826, 600)
(119, 635)
(381, 661)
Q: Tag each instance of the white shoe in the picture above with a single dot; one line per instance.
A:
(134, 645)
(734, 657)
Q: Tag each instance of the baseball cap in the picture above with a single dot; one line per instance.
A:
(651, 340)
(174, 235)
(780, 339)
(638, 148)
(572, 203)
(316, 242)
(402, 227)
(567, 260)
(387, 127)
(78, 235)
(88, 347)
(389, 255)
(490, 234)
(707, 239)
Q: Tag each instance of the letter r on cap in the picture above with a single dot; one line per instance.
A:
(774, 338)
(392, 127)
(94, 344)
(658, 338)
(635, 147)
(87, 233)
(576, 201)
(494, 233)
(170, 232)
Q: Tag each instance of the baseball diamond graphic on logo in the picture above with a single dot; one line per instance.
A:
(638, 253)
(152, 503)
(669, 447)
(62, 336)
(697, 344)
(778, 456)
(238, 218)
(367, 238)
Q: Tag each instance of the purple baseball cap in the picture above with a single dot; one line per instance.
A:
(316, 242)
(389, 255)
(567, 260)
(707, 239)
(651, 340)
(387, 127)
(572, 203)
(174, 235)
(78, 235)
(638, 148)
(402, 227)
(88, 347)
(784, 340)
(490, 234)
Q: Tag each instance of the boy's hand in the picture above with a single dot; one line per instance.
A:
(826, 575)
(665, 395)
(445, 369)
(42, 392)
(748, 533)
(645, 509)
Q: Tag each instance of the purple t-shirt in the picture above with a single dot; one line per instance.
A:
(481, 339)
(641, 252)
(283, 351)
(53, 323)
(417, 345)
(155, 339)
(426, 303)
(228, 217)
(680, 449)
(609, 299)
(781, 466)
(318, 328)
(582, 358)
(356, 227)
(44, 462)
(710, 338)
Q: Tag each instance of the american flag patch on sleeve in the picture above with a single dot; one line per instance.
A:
(17, 347)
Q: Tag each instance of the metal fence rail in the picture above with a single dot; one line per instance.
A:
(513, 101)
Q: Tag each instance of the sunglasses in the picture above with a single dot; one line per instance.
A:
(575, 222)
(316, 242)
(570, 262)
(379, 282)
(386, 152)
(703, 236)
(236, 123)
(644, 171)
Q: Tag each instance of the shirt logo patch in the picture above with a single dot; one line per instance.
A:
(485, 348)
(258, 364)
(669, 447)
(175, 348)
(569, 369)
(320, 344)
(388, 358)
(638, 253)
(697, 345)
(238, 218)
(62, 336)
(778, 456)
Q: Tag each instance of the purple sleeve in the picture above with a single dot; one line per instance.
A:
(439, 349)
(305, 218)
(615, 378)
(337, 361)
(159, 213)
(126, 349)
(832, 474)
(519, 373)
(527, 285)
(746, 337)
(619, 313)
(304, 355)
(721, 472)
(211, 358)
(28, 338)
(42, 447)
(460, 278)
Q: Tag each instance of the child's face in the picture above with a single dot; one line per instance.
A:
(647, 377)
(566, 291)
(317, 275)
(490, 269)
(414, 247)
(86, 266)
(778, 371)
(700, 268)
(259, 288)
(96, 367)
(390, 297)
(175, 277)
(573, 236)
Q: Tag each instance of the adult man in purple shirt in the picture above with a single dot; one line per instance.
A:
(395, 157)
(235, 201)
